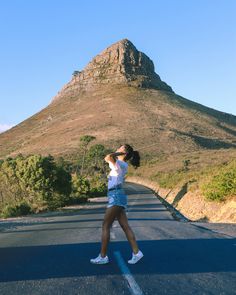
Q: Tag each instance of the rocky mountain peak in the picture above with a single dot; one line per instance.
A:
(120, 63)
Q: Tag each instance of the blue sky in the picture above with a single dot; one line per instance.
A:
(191, 42)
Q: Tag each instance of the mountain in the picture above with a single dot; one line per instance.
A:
(119, 98)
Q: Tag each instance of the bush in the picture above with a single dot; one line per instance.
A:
(222, 184)
(186, 163)
(98, 186)
(22, 208)
(80, 189)
(62, 188)
(35, 179)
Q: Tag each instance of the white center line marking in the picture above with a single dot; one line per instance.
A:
(113, 235)
(134, 287)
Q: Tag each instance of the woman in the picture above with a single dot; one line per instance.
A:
(117, 202)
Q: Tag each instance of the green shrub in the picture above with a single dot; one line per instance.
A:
(22, 208)
(80, 189)
(98, 186)
(73, 200)
(36, 179)
(186, 163)
(222, 184)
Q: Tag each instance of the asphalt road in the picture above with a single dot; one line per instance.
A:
(49, 254)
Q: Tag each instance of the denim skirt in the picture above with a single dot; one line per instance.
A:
(117, 197)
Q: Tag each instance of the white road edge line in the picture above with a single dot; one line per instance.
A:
(134, 287)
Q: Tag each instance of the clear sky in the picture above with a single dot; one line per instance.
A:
(191, 42)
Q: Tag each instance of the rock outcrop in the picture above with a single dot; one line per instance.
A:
(121, 63)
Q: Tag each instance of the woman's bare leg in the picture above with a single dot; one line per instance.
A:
(110, 216)
(123, 221)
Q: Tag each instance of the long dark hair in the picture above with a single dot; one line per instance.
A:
(132, 156)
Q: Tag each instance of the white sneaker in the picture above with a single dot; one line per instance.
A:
(135, 257)
(100, 260)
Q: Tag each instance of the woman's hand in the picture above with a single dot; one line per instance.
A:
(118, 153)
(110, 157)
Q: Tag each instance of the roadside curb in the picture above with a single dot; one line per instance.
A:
(174, 212)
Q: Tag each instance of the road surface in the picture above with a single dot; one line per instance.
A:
(49, 254)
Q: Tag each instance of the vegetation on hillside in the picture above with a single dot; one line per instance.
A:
(32, 183)
(36, 183)
(212, 173)
(222, 184)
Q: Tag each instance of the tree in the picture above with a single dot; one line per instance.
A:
(34, 179)
(76, 73)
(84, 142)
(96, 152)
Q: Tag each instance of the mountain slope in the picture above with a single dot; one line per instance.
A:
(119, 98)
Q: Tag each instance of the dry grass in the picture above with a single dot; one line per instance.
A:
(163, 126)
(169, 170)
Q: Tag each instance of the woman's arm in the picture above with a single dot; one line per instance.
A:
(112, 157)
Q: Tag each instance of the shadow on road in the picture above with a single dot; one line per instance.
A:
(161, 257)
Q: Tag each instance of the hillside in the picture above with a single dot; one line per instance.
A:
(119, 98)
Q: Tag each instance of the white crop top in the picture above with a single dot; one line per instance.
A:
(117, 173)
